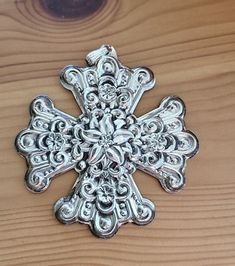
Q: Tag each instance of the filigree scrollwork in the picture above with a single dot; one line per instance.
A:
(106, 144)
(47, 144)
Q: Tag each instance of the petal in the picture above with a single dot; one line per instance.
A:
(94, 122)
(137, 142)
(112, 104)
(119, 123)
(105, 162)
(77, 153)
(91, 135)
(121, 136)
(96, 154)
(136, 151)
(48, 141)
(85, 146)
(136, 130)
(127, 148)
(115, 154)
(106, 125)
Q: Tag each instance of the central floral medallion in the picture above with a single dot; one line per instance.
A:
(107, 137)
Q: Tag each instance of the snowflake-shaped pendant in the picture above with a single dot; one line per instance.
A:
(106, 144)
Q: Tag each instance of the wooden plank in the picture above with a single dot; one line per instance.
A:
(190, 46)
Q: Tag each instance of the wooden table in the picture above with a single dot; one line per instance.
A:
(190, 46)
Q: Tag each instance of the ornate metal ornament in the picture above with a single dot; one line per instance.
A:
(106, 144)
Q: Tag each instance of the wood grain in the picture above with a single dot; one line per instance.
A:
(190, 46)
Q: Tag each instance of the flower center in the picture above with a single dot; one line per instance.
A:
(106, 141)
(106, 194)
(55, 141)
(156, 142)
(107, 92)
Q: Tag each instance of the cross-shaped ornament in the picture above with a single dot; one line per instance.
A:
(106, 144)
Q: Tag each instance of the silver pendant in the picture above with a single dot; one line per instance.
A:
(106, 144)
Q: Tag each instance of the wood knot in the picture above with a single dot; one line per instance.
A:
(72, 9)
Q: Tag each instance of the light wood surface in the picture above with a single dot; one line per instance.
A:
(190, 46)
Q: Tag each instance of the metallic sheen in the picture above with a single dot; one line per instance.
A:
(106, 144)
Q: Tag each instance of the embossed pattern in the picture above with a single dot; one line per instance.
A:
(106, 144)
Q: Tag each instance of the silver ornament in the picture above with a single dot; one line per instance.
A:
(106, 144)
